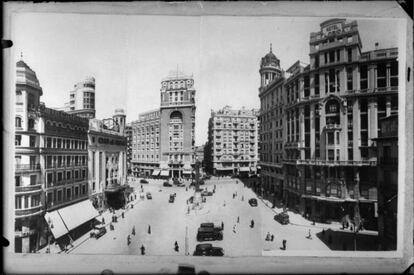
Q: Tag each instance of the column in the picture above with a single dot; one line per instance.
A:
(25, 240)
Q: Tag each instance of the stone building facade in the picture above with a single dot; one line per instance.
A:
(232, 142)
(330, 119)
(82, 99)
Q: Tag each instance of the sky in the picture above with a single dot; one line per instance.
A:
(129, 55)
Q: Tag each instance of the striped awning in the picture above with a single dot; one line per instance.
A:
(165, 173)
(156, 172)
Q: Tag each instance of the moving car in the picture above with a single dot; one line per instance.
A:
(172, 198)
(98, 231)
(143, 181)
(149, 196)
(207, 249)
(206, 193)
(253, 202)
(166, 184)
(209, 234)
(282, 218)
(216, 227)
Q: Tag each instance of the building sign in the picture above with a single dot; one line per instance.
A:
(335, 28)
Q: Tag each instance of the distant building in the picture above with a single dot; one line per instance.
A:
(107, 161)
(387, 175)
(51, 164)
(232, 142)
(82, 99)
(163, 139)
(199, 151)
(319, 123)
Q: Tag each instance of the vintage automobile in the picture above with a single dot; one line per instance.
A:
(143, 181)
(253, 202)
(207, 249)
(149, 196)
(167, 184)
(216, 226)
(282, 218)
(98, 231)
(209, 234)
(172, 198)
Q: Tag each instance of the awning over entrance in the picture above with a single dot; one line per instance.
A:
(63, 220)
(244, 169)
(77, 214)
(156, 172)
(56, 224)
(165, 173)
(187, 172)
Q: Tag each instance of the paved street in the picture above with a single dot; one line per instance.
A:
(168, 223)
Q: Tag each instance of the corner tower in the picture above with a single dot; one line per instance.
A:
(269, 69)
(177, 113)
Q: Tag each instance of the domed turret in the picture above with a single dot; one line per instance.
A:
(120, 118)
(269, 68)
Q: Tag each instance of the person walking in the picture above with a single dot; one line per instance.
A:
(252, 223)
(238, 219)
(309, 235)
(234, 228)
(176, 247)
(133, 230)
(128, 239)
(149, 229)
(222, 225)
(142, 250)
(272, 237)
(284, 245)
(103, 220)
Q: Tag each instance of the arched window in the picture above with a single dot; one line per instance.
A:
(176, 115)
(18, 122)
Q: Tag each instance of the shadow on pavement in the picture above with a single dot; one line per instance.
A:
(344, 240)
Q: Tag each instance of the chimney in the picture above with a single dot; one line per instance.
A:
(376, 46)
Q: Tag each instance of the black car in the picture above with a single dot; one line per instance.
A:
(166, 184)
(211, 225)
(253, 202)
(282, 218)
(207, 249)
(209, 234)
(172, 198)
(143, 181)
(149, 196)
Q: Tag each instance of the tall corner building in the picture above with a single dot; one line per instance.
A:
(163, 139)
(82, 99)
(232, 145)
(319, 124)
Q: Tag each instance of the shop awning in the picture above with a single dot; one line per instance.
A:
(56, 224)
(165, 173)
(187, 172)
(77, 214)
(244, 169)
(156, 172)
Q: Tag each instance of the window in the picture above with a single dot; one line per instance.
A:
(18, 122)
(331, 154)
(363, 71)
(316, 61)
(32, 141)
(349, 55)
(394, 74)
(18, 140)
(316, 81)
(83, 189)
(31, 124)
(349, 79)
(26, 201)
(381, 75)
(49, 178)
(33, 180)
(68, 194)
(68, 175)
(330, 138)
(338, 55)
(18, 202)
(17, 180)
(331, 56)
(59, 176)
(59, 195)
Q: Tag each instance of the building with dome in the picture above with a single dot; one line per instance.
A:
(163, 139)
(50, 165)
(320, 122)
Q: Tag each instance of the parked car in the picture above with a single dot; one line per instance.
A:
(253, 202)
(98, 231)
(282, 218)
(149, 196)
(143, 181)
(172, 198)
(216, 226)
(209, 234)
(207, 249)
(186, 269)
(166, 184)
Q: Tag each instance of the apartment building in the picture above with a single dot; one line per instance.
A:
(232, 142)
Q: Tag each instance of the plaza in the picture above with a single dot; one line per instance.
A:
(169, 222)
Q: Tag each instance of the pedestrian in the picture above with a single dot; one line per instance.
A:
(176, 247)
(234, 228)
(128, 240)
(284, 244)
(122, 214)
(309, 235)
(242, 198)
(222, 225)
(103, 220)
(149, 229)
(133, 230)
(224, 203)
(238, 219)
(267, 237)
(272, 238)
(252, 223)
(142, 250)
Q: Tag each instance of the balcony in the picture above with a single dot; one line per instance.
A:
(35, 210)
(28, 167)
(334, 162)
(29, 189)
(388, 161)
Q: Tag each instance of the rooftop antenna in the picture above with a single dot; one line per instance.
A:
(270, 47)
(21, 55)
